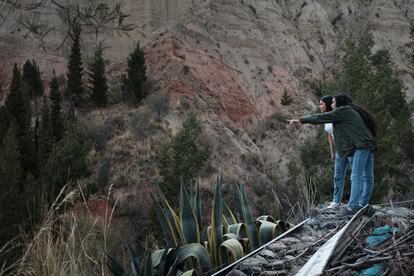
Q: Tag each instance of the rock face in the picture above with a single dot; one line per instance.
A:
(231, 60)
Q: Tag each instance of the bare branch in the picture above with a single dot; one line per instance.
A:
(92, 15)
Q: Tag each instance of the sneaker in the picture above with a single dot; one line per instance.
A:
(334, 205)
(347, 213)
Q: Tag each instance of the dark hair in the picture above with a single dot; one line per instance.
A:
(342, 99)
(369, 119)
(328, 102)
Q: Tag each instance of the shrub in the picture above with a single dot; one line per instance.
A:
(286, 99)
(159, 103)
(183, 156)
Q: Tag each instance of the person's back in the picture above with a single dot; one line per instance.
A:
(350, 131)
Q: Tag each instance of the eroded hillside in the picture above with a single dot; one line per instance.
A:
(231, 61)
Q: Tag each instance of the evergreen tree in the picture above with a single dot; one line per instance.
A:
(11, 178)
(67, 161)
(75, 70)
(28, 78)
(373, 83)
(354, 77)
(136, 75)
(18, 105)
(5, 120)
(183, 157)
(32, 79)
(38, 86)
(98, 80)
(55, 116)
(45, 133)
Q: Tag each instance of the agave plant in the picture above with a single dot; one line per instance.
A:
(227, 239)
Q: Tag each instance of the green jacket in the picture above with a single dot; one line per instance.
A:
(350, 131)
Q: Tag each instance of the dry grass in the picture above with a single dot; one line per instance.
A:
(305, 199)
(69, 243)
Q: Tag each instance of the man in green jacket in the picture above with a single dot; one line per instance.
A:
(354, 130)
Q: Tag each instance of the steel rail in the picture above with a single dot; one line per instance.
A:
(228, 268)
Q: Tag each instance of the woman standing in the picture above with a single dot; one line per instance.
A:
(354, 130)
(325, 105)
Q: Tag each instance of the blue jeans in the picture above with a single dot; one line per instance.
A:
(362, 178)
(339, 176)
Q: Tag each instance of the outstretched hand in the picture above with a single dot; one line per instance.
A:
(294, 122)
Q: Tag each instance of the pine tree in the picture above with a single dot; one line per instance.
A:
(11, 178)
(355, 75)
(28, 78)
(38, 86)
(5, 120)
(98, 80)
(18, 105)
(32, 79)
(75, 70)
(45, 134)
(372, 82)
(136, 75)
(183, 157)
(55, 115)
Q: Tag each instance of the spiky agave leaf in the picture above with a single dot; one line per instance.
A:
(248, 218)
(269, 230)
(148, 269)
(114, 266)
(192, 250)
(197, 209)
(239, 229)
(267, 218)
(233, 249)
(161, 259)
(167, 227)
(229, 236)
(135, 261)
(189, 273)
(228, 215)
(188, 220)
(171, 216)
(215, 234)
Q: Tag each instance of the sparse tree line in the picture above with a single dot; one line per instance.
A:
(43, 146)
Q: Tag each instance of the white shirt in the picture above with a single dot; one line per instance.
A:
(329, 129)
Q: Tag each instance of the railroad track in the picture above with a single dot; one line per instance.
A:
(317, 245)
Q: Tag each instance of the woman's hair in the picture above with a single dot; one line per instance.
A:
(328, 102)
(369, 119)
(342, 99)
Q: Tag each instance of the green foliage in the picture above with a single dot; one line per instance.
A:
(45, 134)
(136, 76)
(98, 80)
(33, 84)
(5, 120)
(11, 183)
(286, 99)
(56, 119)
(67, 161)
(183, 156)
(18, 105)
(75, 70)
(59, 161)
(318, 167)
(372, 82)
(225, 236)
